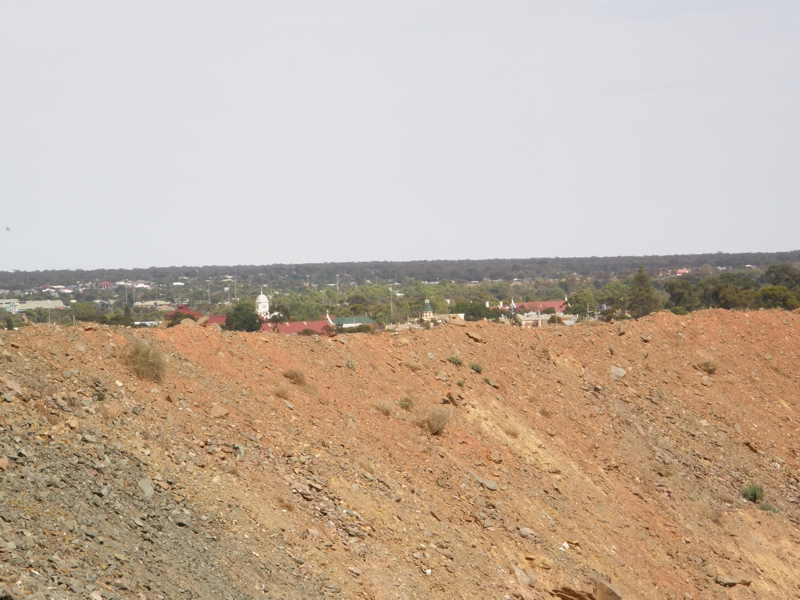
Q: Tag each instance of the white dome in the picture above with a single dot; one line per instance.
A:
(262, 306)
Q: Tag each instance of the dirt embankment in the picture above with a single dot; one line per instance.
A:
(296, 467)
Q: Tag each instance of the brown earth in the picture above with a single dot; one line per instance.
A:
(556, 469)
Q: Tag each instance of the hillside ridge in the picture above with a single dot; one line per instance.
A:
(575, 461)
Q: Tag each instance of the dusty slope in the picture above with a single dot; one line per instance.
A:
(636, 481)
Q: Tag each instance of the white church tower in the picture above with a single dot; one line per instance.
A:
(262, 305)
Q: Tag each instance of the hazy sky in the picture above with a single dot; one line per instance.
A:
(193, 133)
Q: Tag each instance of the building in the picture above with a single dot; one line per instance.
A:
(9, 305)
(184, 310)
(106, 285)
(24, 306)
(559, 306)
(262, 305)
(427, 310)
(348, 322)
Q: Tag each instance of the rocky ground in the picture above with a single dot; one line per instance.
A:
(586, 462)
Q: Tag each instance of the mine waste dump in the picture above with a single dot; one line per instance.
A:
(655, 458)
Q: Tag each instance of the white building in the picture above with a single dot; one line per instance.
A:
(262, 305)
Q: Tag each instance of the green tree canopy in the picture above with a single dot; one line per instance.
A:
(581, 300)
(681, 293)
(642, 299)
(778, 296)
(243, 317)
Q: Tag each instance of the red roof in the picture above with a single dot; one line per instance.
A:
(185, 310)
(105, 284)
(218, 319)
(558, 305)
(297, 326)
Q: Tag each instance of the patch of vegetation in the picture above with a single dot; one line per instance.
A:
(296, 376)
(709, 366)
(512, 430)
(768, 507)
(753, 493)
(176, 319)
(384, 407)
(145, 361)
(460, 383)
(285, 504)
(455, 360)
(406, 403)
(435, 420)
(476, 367)
(283, 391)
(243, 317)
(414, 366)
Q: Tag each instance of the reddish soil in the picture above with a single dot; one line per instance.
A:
(636, 481)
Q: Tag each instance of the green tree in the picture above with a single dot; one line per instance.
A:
(777, 296)
(642, 299)
(581, 300)
(784, 275)
(613, 294)
(243, 317)
(681, 293)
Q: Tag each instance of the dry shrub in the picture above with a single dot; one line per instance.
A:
(367, 466)
(285, 504)
(384, 407)
(112, 410)
(283, 391)
(145, 361)
(435, 420)
(414, 366)
(406, 403)
(545, 413)
(296, 376)
(512, 430)
(709, 366)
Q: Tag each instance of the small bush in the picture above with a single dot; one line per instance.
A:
(512, 430)
(112, 410)
(384, 407)
(435, 420)
(768, 507)
(414, 366)
(406, 403)
(145, 361)
(285, 504)
(460, 383)
(476, 367)
(296, 376)
(283, 391)
(753, 492)
(709, 366)
(455, 360)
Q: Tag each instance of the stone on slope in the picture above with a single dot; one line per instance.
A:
(603, 590)
(617, 372)
(146, 488)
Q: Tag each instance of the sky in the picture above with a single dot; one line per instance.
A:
(160, 133)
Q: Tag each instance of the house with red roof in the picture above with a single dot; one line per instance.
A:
(559, 306)
(106, 285)
(183, 309)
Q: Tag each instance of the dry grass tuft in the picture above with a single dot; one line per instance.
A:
(435, 420)
(296, 376)
(406, 403)
(283, 391)
(112, 410)
(410, 364)
(512, 430)
(384, 407)
(145, 361)
(285, 504)
(709, 366)
(367, 466)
